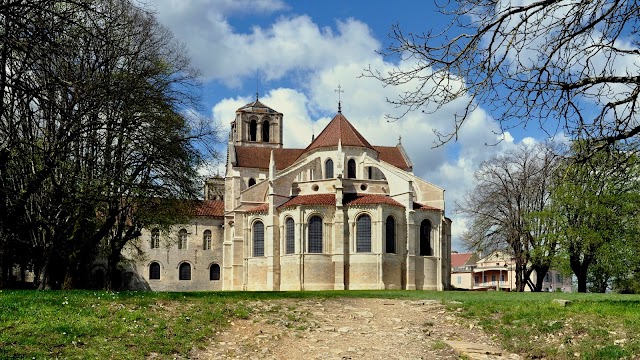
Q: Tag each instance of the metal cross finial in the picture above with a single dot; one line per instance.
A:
(339, 90)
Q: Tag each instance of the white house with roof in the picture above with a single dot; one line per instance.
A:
(338, 214)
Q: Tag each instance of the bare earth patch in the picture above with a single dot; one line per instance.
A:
(349, 328)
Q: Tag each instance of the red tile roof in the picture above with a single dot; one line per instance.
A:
(349, 199)
(417, 206)
(458, 260)
(339, 129)
(393, 155)
(208, 208)
(259, 208)
(258, 157)
(352, 199)
(315, 199)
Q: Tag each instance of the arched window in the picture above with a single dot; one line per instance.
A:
(315, 234)
(425, 238)
(253, 130)
(328, 169)
(251, 182)
(214, 272)
(206, 240)
(289, 236)
(155, 238)
(265, 131)
(258, 238)
(351, 169)
(154, 271)
(182, 239)
(185, 271)
(390, 247)
(363, 234)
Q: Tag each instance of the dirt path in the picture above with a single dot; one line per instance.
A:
(349, 328)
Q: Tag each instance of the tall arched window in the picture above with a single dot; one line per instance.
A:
(258, 238)
(206, 240)
(390, 242)
(182, 239)
(315, 234)
(289, 236)
(154, 271)
(425, 238)
(214, 272)
(184, 272)
(155, 238)
(265, 131)
(328, 169)
(363, 234)
(351, 169)
(251, 182)
(253, 130)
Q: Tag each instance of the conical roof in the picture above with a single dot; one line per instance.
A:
(339, 129)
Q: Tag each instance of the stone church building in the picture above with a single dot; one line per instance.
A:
(338, 214)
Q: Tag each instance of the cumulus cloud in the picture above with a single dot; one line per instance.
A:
(321, 58)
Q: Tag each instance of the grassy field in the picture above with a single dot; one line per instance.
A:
(88, 324)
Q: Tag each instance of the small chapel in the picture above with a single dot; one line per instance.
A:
(339, 214)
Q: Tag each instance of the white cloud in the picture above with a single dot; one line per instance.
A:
(320, 59)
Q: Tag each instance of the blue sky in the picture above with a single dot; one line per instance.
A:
(302, 51)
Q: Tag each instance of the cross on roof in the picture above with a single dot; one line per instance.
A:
(339, 90)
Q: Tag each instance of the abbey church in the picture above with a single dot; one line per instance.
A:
(338, 214)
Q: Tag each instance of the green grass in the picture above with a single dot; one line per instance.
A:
(126, 325)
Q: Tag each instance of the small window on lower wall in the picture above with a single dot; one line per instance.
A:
(363, 234)
(185, 271)
(154, 271)
(214, 272)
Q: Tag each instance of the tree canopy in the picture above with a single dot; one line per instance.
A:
(92, 124)
(564, 66)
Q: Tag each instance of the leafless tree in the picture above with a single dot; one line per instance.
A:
(564, 66)
(510, 190)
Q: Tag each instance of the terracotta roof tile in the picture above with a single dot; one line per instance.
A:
(208, 208)
(258, 157)
(339, 129)
(352, 199)
(392, 155)
(458, 260)
(259, 208)
(349, 199)
(418, 206)
(315, 199)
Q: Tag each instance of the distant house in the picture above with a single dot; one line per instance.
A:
(462, 265)
(496, 271)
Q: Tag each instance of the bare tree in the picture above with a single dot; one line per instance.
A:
(564, 66)
(511, 189)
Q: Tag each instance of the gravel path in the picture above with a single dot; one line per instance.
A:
(349, 328)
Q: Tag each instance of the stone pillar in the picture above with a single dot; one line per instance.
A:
(411, 252)
(340, 250)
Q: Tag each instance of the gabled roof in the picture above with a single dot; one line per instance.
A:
(208, 208)
(258, 157)
(418, 206)
(394, 156)
(257, 106)
(458, 260)
(339, 129)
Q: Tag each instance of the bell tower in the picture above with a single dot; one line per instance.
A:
(257, 125)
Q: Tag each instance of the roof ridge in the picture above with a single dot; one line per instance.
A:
(334, 132)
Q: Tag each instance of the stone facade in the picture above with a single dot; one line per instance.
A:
(339, 214)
